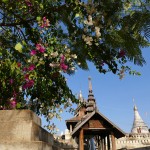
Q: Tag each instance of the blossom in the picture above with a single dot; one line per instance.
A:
(97, 32)
(14, 94)
(31, 67)
(54, 65)
(26, 76)
(54, 54)
(44, 22)
(121, 53)
(40, 48)
(62, 58)
(13, 103)
(63, 66)
(33, 52)
(74, 56)
(28, 3)
(87, 39)
(19, 64)
(28, 84)
(11, 81)
(25, 69)
(89, 21)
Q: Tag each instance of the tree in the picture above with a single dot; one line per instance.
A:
(42, 40)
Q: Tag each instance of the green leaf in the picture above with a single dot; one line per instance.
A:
(41, 6)
(18, 47)
(18, 105)
(38, 18)
(5, 1)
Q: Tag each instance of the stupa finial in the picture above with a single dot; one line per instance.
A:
(90, 85)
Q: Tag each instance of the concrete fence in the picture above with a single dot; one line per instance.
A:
(21, 130)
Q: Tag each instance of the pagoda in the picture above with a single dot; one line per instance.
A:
(90, 128)
(139, 137)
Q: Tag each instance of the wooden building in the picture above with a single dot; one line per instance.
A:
(90, 128)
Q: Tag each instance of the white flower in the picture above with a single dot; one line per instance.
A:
(20, 89)
(45, 55)
(50, 115)
(29, 60)
(54, 64)
(87, 39)
(89, 21)
(55, 54)
(74, 56)
(97, 32)
(68, 50)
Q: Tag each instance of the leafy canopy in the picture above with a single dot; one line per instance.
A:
(42, 40)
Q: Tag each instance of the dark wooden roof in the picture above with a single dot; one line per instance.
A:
(112, 127)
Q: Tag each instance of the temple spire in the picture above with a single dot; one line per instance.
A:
(91, 105)
(139, 125)
(80, 97)
(90, 85)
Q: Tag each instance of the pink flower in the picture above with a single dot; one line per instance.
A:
(25, 69)
(11, 81)
(13, 103)
(31, 67)
(33, 52)
(121, 53)
(63, 66)
(19, 65)
(28, 84)
(62, 58)
(28, 3)
(44, 22)
(44, 18)
(26, 76)
(14, 94)
(40, 48)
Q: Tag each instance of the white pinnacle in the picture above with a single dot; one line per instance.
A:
(139, 125)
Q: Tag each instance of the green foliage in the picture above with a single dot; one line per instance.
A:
(42, 40)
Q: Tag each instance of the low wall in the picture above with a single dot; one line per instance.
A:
(21, 130)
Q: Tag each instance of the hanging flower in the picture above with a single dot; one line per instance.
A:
(13, 103)
(33, 52)
(121, 53)
(40, 48)
(63, 66)
(11, 81)
(25, 69)
(26, 77)
(19, 65)
(28, 3)
(44, 22)
(28, 84)
(31, 67)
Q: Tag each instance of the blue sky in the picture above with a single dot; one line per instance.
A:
(114, 97)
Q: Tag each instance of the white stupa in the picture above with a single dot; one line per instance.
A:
(139, 126)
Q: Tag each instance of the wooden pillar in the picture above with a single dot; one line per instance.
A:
(81, 140)
(105, 143)
(99, 144)
(70, 128)
(102, 143)
(108, 142)
(113, 141)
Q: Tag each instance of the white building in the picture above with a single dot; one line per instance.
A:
(139, 136)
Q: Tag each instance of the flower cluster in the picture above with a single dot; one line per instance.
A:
(97, 32)
(121, 53)
(89, 21)
(63, 66)
(88, 39)
(13, 101)
(44, 22)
